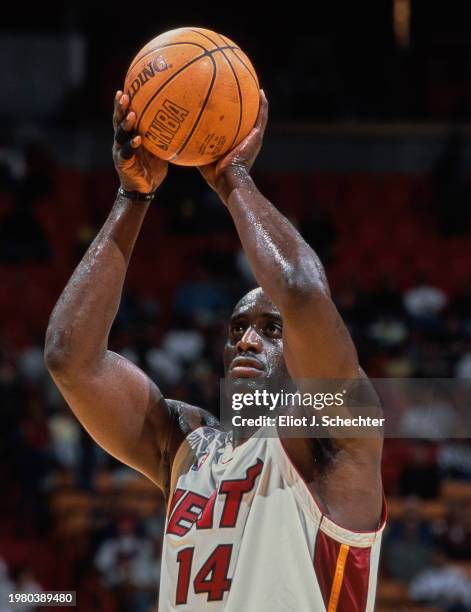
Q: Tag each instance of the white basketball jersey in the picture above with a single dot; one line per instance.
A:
(244, 534)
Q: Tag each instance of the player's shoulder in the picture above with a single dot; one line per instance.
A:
(198, 431)
(190, 418)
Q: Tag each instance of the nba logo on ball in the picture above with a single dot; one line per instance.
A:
(208, 76)
(165, 125)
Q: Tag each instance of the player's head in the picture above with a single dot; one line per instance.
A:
(254, 348)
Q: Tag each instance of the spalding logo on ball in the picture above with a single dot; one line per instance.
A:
(195, 94)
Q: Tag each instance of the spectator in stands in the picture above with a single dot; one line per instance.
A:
(408, 547)
(130, 565)
(92, 593)
(441, 585)
(31, 365)
(454, 534)
(183, 341)
(387, 331)
(424, 302)
(65, 439)
(434, 417)
(454, 459)
(25, 582)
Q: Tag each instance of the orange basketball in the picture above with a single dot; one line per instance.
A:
(195, 94)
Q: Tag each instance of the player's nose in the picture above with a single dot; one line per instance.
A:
(250, 341)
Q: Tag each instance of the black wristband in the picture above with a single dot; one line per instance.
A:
(136, 196)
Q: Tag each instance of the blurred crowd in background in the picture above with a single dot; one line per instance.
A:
(71, 516)
(395, 246)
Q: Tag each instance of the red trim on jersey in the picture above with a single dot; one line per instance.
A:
(384, 511)
(352, 588)
(354, 591)
(175, 499)
(325, 560)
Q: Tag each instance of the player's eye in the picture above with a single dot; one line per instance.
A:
(237, 329)
(273, 330)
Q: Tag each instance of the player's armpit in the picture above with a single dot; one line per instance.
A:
(191, 417)
(125, 413)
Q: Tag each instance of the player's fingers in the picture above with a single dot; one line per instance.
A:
(208, 168)
(262, 117)
(130, 121)
(124, 131)
(122, 104)
(117, 97)
(121, 137)
(128, 149)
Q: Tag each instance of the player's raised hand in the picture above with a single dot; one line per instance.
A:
(243, 155)
(138, 169)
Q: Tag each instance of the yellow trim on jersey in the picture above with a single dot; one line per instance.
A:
(338, 578)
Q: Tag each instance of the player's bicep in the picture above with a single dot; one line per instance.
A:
(316, 342)
(124, 412)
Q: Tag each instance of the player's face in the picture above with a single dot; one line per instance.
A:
(254, 347)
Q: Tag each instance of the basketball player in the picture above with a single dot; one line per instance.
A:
(253, 523)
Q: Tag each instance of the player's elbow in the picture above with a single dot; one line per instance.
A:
(57, 355)
(301, 287)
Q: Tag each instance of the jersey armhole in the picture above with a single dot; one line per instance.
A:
(327, 525)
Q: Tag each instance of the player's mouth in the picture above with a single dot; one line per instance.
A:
(245, 367)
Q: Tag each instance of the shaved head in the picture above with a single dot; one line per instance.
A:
(255, 298)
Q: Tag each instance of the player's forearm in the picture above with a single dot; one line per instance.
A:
(79, 326)
(283, 263)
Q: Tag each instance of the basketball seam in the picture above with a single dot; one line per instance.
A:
(222, 38)
(179, 71)
(233, 49)
(196, 31)
(236, 80)
(241, 100)
(138, 59)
